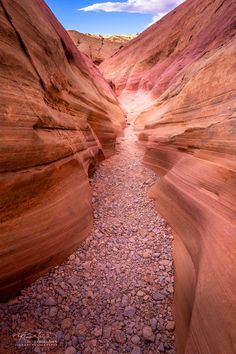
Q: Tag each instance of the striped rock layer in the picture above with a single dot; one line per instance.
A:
(58, 119)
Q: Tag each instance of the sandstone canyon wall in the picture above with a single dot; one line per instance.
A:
(98, 47)
(58, 119)
(179, 78)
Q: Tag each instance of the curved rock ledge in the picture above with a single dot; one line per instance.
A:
(58, 119)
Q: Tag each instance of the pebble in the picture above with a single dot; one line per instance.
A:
(50, 301)
(140, 293)
(125, 300)
(170, 326)
(164, 262)
(129, 311)
(107, 332)
(66, 323)
(161, 348)
(158, 297)
(135, 339)
(148, 333)
(70, 350)
(98, 332)
(53, 311)
(136, 350)
(120, 337)
(153, 323)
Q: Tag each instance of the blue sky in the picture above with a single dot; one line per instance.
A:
(113, 17)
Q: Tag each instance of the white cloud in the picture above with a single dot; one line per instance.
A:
(153, 7)
(156, 18)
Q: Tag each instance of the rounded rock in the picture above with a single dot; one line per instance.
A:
(135, 339)
(66, 323)
(70, 350)
(120, 337)
(136, 350)
(148, 333)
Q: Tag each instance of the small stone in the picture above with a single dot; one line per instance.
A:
(70, 350)
(52, 311)
(129, 311)
(161, 348)
(72, 257)
(125, 300)
(136, 350)
(158, 296)
(129, 330)
(98, 332)
(107, 332)
(50, 301)
(94, 342)
(164, 262)
(59, 335)
(85, 312)
(66, 323)
(81, 339)
(135, 339)
(146, 254)
(74, 341)
(81, 329)
(120, 337)
(67, 339)
(170, 289)
(62, 292)
(170, 326)
(63, 285)
(153, 323)
(73, 280)
(77, 262)
(148, 333)
(140, 293)
(90, 294)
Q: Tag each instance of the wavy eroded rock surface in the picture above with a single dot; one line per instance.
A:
(179, 78)
(98, 47)
(58, 119)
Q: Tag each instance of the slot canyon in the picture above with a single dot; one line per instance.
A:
(118, 184)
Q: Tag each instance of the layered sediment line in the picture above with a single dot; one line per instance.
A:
(58, 119)
(179, 78)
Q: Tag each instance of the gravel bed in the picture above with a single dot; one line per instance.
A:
(115, 294)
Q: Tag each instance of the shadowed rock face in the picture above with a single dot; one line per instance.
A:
(179, 77)
(58, 119)
(98, 47)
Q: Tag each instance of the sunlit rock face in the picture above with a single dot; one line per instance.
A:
(58, 119)
(179, 76)
(98, 47)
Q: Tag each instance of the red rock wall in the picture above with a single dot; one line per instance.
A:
(185, 68)
(58, 118)
(98, 47)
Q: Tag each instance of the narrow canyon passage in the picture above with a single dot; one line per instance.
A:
(63, 98)
(114, 295)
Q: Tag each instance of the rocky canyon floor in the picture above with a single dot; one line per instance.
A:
(114, 295)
